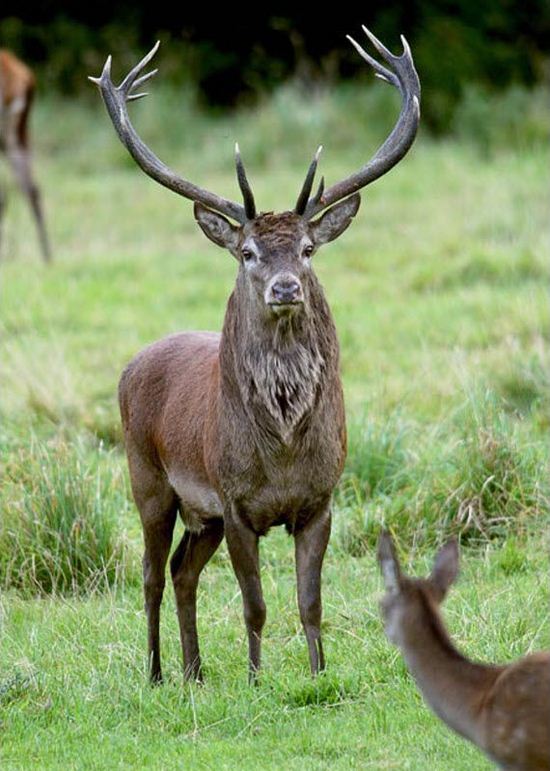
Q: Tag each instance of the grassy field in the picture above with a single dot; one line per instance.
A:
(439, 291)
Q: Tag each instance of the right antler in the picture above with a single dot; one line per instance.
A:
(115, 98)
(404, 77)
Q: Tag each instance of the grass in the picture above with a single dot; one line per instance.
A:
(75, 673)
(439, 291)
(59, 531)
(475, 475)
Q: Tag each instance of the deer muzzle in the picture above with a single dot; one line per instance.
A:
(284, 292)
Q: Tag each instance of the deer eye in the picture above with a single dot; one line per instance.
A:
(308, 250)
(248, 255)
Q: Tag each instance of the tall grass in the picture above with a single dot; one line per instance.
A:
(59, 532)
(475, 475)
(519, 118)
(283, 128)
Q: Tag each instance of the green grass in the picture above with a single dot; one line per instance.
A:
(59, 533)
(73, 685)
(439, 291)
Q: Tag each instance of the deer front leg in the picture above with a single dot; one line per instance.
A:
(242, 543)
(192, 554)
(158, 508)
(310, 546)
(157, 536)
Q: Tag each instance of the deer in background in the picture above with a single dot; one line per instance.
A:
(504, 710)
(243, 431)
(17, 86)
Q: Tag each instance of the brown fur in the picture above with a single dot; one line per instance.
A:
(17, 87)
(503, 709)
(17, 82)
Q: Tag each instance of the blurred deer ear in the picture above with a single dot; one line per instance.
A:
(389, 564)
(335, 220)
(445, 569)
(217, 228)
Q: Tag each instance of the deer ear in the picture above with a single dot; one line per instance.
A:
(335, 220)
(389, 564)
(217, 227)
(445, 569)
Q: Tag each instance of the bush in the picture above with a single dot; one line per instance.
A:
(476, 476)
(516, 119)
(493, 482)
(58, 534)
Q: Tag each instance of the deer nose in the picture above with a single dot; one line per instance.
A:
(287, 291)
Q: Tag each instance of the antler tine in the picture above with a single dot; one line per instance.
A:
(380, 47)
(380, 71)
(140, 82)
(246, 190)
(128, 82)
(320, 190)
(105, 73)
(305, 192)
(403, 76)
(115, 99)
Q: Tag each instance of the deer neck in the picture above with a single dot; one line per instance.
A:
(452, 685)
(279, 364)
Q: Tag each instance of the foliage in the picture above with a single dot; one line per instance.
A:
(517, 118)
(58, 533)
(456, 47)
(475, 476)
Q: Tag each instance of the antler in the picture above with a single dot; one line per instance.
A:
(404, 77)
(115, 98)
(305, 192)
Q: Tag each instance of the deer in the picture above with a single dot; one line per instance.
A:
(17, 89)
(245, 430)
(503, 709)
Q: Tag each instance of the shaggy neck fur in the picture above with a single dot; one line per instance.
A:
(279, 363)
(284, 378)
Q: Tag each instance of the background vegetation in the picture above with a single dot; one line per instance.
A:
(234, 55)
(439, 291)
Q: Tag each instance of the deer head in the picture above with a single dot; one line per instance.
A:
(275, 253)
(275, 250)
(406, 599)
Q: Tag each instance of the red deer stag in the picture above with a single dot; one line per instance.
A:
(17, 85)
(245, 430)
(504, 710)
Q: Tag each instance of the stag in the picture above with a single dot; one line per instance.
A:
(17, 87)
(243, 431)
(504, 710)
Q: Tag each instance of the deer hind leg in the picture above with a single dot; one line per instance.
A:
(186, 564)
(158, 506)
(310, 546)
(2, 209)
(242, 543)
(19, 157)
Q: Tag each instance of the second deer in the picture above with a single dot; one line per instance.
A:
(503, 709)
(17, 87)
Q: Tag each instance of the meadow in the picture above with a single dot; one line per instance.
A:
(440, 295)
